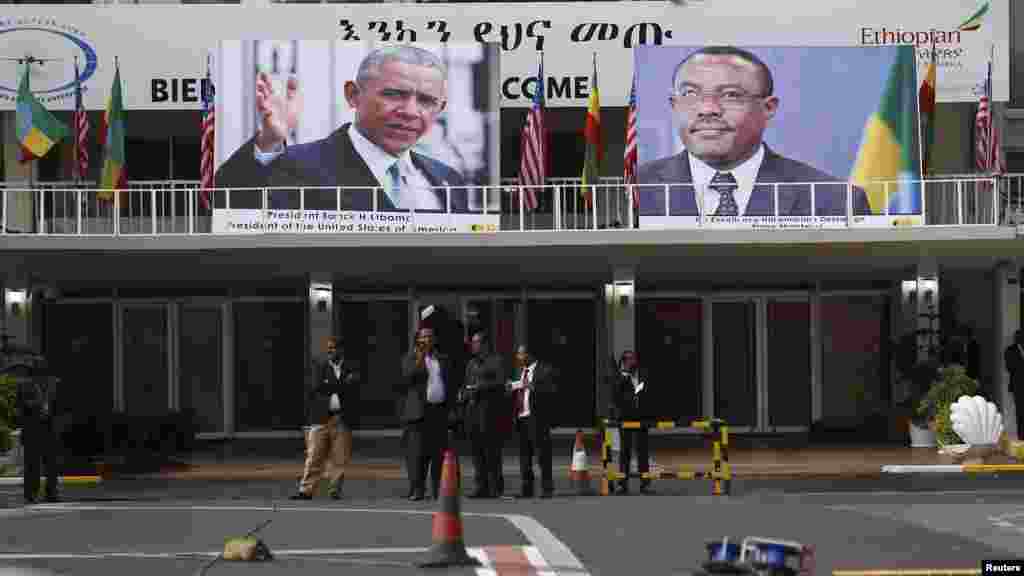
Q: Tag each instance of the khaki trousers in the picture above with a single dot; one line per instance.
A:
(329, 444)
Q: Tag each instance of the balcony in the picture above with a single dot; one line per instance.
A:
(174, 208)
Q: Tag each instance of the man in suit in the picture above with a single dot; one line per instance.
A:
(630, 402)
(1014, 358)
(37, 408)
(332, 413)
(427, 396)
(723, 98)
(397, 95)
(533, 394)
(483, 394)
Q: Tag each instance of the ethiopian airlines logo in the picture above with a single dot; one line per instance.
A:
(50, 49)
(946, 43)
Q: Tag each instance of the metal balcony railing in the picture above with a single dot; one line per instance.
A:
(176, 208)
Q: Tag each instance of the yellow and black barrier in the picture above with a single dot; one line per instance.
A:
(720, 473)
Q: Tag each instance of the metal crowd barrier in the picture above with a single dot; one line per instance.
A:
(720, 473)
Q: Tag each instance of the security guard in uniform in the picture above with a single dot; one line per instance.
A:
(36, 404)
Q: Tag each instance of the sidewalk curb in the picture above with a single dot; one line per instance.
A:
(952, 468)
(61, 480)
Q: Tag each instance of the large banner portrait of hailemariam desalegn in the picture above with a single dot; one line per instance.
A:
(795, 137)
(332, 137)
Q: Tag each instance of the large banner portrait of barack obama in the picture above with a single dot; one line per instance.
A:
(398, 128)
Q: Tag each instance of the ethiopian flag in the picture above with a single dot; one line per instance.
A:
(114, 174)
(888, 151)
(926, 106)
(594, 138)
(37, 130)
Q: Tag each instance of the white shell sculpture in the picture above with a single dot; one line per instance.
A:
(976, 421)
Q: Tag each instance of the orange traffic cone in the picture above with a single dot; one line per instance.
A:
(579, 472)
(449, 549)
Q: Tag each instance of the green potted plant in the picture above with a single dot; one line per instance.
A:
(921, 377)
(7, 399)
(952, 383)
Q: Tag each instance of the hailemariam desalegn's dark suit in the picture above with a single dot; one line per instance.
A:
(794, 199)
(332, 161)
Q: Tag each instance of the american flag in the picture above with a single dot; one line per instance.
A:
(533, 148)
(630, 157)
(206, 142)
(81, 131)
(987, 154)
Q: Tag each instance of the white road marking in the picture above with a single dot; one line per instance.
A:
(481, 555)
(913, 493)
(538, 562)
(1002, 517)
(555, 553)
(213, 554)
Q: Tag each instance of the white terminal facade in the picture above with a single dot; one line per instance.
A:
(785, 331)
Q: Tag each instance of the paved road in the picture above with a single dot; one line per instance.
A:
(900, 522)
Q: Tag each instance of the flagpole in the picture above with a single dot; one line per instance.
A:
(542, 137)
(991, 108)
(74, 119)
(921, 128)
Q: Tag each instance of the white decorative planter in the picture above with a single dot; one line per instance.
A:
(921, 437)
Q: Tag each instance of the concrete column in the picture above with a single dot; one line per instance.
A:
(927, 305)
(817, 387)
(622, 311)
(18, 313)
(228, 367)
(19, 200)
(321, 312)
(1006, 321)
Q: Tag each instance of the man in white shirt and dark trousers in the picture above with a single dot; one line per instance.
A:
(629, 396)
(428, 394)
(332, 412)
(533, 398)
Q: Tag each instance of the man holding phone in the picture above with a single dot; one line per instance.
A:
(427, 396)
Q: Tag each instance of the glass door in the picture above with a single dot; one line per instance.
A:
(761, 361)
(200, 366)
(668, 338)
(787, 395)
(376, 333)
(736, 362)
(145, 359)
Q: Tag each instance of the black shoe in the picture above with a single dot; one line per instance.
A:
(335, 491)
(30, 501)
(416, 496)
(524, 495)
(548, 494)
(52, 499)
(480, 494)
(646, 489)
(300, 496)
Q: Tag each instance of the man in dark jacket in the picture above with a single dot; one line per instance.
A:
(36, 404)
(482, 395)
(332, 412)
(427, 395)
(1014, 358)
(534, 400)
(629, 397)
